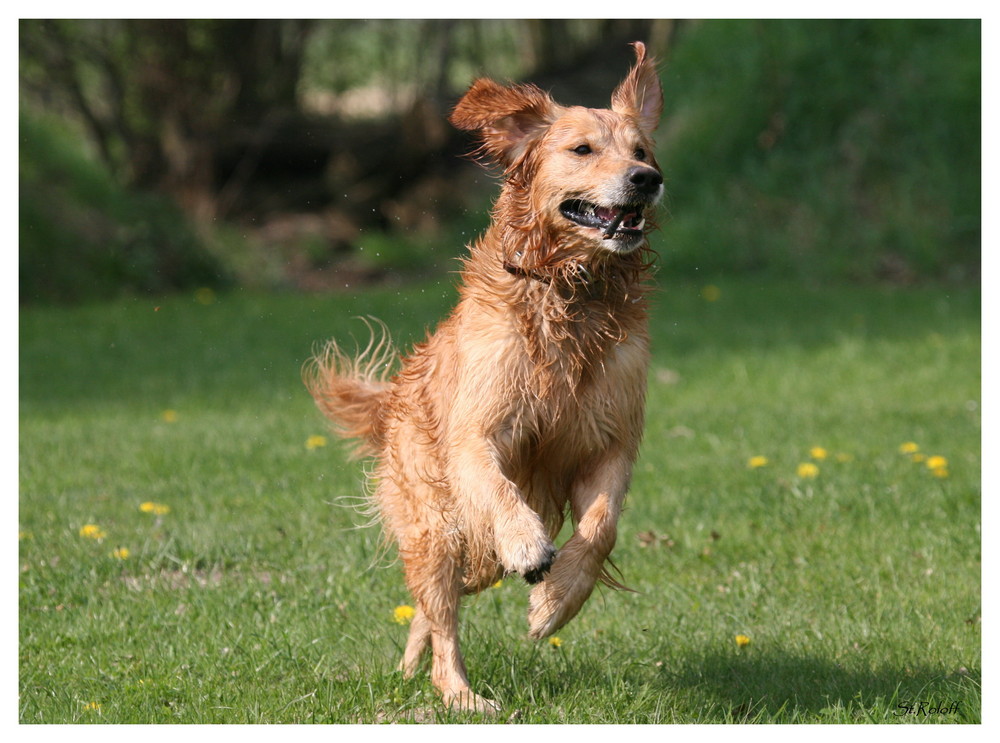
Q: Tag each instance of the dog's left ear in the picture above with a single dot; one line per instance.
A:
(640, 95)
(507, 119)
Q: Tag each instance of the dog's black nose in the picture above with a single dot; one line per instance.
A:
(645, 180)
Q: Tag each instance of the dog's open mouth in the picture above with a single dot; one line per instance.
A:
(625, 221)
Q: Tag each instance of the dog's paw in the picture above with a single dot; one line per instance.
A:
(469, 701)
(544, 615)
(530, 556)
(558, 598)
(537, 573)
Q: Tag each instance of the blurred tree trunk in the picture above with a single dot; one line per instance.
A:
(158, 96)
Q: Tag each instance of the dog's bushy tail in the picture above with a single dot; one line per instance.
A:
(350, 389)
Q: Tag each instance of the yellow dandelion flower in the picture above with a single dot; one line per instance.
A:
(757, 461)
(918, 457)
(498, 584)
(910, 447)
(169, 416)
(555, 642)
(742, 641)
(314, 442)
(120, 553)
(807, 470)
(92, 707)
(711, 293)
(403, 614)
(818, 452)
(157, 509)
(940, 472)
(92, 531)
(937, 463)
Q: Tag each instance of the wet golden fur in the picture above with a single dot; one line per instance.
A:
(526, 404)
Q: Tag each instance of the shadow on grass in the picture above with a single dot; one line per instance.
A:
(776, 687)
(716, 687)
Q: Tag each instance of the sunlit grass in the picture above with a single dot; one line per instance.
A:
(209, 565)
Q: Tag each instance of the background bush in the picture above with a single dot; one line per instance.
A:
(818, 149)
(83, 236)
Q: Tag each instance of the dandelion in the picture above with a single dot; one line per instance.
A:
(555, 642)
(120, 553)
(169, 416)
(315, 442)
(938, 466)
(909, 447)
(157, 509)
(711, 293)
(92, 707)
(756, 462)
(497, 584)
(92, 531)
(742, 641)
(818, 452)
(403, 614)
(918, 458)
(807, 470)
(937, 463)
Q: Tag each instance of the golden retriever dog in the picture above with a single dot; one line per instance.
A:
(527, 402)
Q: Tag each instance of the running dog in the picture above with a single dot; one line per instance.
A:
(526, 404)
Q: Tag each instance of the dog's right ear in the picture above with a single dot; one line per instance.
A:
(507, 119)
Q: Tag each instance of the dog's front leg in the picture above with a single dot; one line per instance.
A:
(497, 518)
(597, 502)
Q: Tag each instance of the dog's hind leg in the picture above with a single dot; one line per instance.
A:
(417, 644)
(597, 502)
(434, 577)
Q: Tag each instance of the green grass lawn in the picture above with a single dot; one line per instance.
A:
(249, 593)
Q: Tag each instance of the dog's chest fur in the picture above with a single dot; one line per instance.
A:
(577, 387)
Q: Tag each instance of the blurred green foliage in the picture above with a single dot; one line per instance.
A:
(824, 149)
(816, 150)
(83, 236)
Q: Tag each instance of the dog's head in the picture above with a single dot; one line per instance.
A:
(588, 174)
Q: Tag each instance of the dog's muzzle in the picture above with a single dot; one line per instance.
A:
(625, 221)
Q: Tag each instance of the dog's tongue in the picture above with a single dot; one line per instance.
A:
(611, 215)
(605, 214)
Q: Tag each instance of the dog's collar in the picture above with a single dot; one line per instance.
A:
(582, 276)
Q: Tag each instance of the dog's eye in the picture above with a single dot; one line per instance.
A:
(583, 149)
(640, 154)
